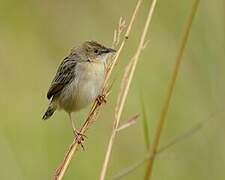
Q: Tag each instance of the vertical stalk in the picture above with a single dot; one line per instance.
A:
(125, 85)
(161, 121)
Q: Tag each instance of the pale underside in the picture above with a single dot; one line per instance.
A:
(84, 89)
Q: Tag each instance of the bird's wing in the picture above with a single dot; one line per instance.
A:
(64, 75)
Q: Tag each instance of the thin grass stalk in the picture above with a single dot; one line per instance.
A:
(114, 62)
(60, 171)
(128, 123)
(145, 123)
(179, 138)
(125, 85)
(169, 93)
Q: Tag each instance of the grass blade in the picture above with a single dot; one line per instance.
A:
(145, 122)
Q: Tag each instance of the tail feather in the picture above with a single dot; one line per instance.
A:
(49, 112)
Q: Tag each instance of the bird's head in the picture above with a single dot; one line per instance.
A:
(95, 51)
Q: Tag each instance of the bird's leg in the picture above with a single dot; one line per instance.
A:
(72, 123)
(79, 136)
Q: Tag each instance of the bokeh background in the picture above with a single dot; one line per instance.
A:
(34, 38)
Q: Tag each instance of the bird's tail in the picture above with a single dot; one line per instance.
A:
(49, 112)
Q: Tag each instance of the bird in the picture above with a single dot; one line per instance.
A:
(78, 80)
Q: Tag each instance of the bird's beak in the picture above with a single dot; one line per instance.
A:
(108, 50)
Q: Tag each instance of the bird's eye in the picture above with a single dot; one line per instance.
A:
(96, 51)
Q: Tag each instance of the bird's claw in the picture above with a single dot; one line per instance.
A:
(101, 99)
(79, 138)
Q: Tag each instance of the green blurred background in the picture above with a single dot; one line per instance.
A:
(36, 35)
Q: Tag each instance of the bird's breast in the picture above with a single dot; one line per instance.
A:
(90, 77)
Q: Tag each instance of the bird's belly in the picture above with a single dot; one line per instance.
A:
(85, 88)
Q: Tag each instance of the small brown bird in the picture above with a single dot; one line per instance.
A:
(78, 80)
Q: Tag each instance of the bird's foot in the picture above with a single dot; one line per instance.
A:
(101, 99)
(79, 138)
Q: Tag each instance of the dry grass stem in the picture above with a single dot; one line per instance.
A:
(128, 123)
(114, 62)
(59, 173)
(169, 93)
(125, 85)
(180, 138)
